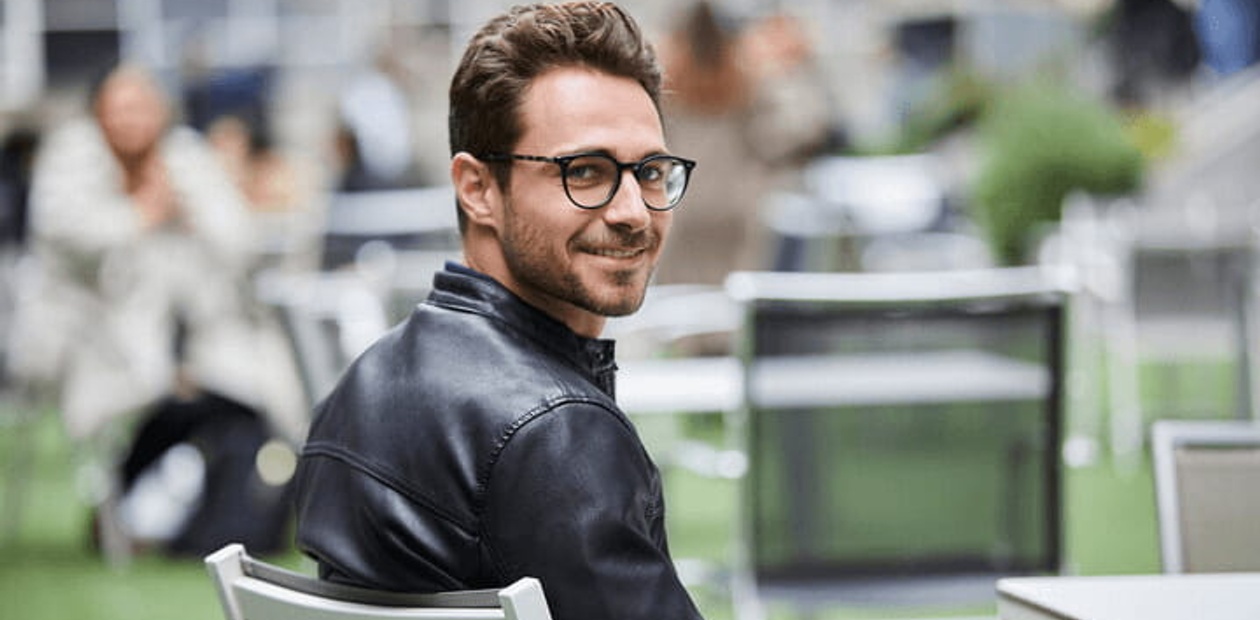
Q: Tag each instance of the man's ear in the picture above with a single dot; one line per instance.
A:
(476, 189)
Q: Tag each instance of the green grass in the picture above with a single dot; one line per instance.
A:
(48, 569)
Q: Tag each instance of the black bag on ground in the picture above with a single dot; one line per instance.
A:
(235, 503)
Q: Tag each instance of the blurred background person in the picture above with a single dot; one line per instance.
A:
(1154, 49)
(234, 109)
(734, 98)
(1230, 34)
(17, 154)
(374, 131)
(281, 191)
(792, 106)
(708, 100)
(135, 305)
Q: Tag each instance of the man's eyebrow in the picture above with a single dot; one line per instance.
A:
(608, 153)
(588, 151)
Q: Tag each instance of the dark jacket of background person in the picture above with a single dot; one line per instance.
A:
(1154, 49)
(551, 479)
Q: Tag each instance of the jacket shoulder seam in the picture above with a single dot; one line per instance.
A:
(544, 407)
(387, 477)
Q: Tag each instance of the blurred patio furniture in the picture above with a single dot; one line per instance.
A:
(902, 435)
(1206, 474)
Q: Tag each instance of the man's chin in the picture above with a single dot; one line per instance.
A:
(620, 307)
(615, 312)
(627, 300)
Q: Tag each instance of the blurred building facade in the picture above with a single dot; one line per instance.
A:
(48, 45)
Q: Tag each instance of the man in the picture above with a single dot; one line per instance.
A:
(479, 441)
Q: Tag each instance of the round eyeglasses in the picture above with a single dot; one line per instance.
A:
(592, 179)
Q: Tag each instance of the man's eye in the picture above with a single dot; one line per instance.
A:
(651, 173)
(588, 172)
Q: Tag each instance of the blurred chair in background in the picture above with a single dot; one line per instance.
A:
(1169, 292)
(328, 318)
(1207, 483)
(1167, 281)
(902, 436)
(380, 249)
(397, 239)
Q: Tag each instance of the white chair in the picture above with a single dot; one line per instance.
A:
(252, 590)
(398, 238)
(329, 319)
(1168, 292)
(1207, 478)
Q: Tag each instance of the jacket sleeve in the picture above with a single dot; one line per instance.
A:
(574, 500)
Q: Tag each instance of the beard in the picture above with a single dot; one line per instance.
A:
(535, 261)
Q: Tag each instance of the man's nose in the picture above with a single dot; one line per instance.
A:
(627, 207)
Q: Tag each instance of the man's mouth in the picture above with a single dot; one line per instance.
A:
(616, 252)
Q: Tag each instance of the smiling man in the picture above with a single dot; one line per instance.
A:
(480, 440)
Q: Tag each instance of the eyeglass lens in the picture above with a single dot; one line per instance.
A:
(591, 180)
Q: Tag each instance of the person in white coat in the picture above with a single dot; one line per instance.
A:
(135, 312)
(140, 253)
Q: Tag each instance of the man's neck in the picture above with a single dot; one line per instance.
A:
(582, 322)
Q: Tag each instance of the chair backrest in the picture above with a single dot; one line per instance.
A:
(407, 219)
(900, 424)
(329, 318)
(1207, 482)
(253, 590)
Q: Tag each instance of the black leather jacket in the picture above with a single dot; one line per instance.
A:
(479, 442)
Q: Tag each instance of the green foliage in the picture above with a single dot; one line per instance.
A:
(1038, 144)
(961, 99)
(957, 99)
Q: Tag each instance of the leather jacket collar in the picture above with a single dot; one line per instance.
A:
(461, 288)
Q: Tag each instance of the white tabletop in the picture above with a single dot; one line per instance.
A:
(1217, 596)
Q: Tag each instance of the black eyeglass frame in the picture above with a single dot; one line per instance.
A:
(637, 166)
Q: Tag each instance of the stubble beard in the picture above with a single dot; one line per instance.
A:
(533, 264)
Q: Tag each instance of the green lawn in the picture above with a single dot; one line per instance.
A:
(48, 570)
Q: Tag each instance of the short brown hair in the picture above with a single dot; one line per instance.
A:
(512, 49)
